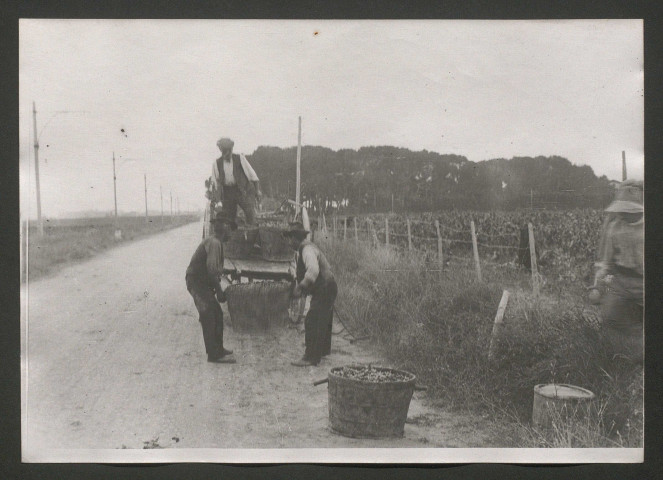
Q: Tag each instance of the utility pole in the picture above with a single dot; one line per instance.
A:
(161, 194)
(147, 220)
(299, 161)
(531, 199)
(171, 206)
(115, 188)
(623, 165)
(36, 145)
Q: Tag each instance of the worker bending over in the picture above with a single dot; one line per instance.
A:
(314, 277)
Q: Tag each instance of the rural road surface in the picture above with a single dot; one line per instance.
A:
(115, 359)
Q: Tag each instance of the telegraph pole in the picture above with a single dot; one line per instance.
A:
(161, 194)
(115, 188)
(171, 206)
(623, 165)
(299, 161)
(36, 145)
(146, 216)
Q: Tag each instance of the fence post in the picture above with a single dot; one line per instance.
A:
(345, 228)
(334, 226)
(386, 231)
(409, 235)
(356, 233)
(440, 257)
(497, 325)
(476, 251)
(532, 253)
(375, 235)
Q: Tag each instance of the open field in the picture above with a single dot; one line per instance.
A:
(67, 240)
(438, 324)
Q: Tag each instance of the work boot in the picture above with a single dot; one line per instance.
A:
(223, 359)
(303, 362)
(225, 352)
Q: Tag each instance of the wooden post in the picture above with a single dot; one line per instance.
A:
(299, 161)
(497, 325)
(334, 226)
(476, 251)
(440, 257)
(161, 195)
(356, 233)
(532, 253)
(40, 221)
(409, 236)
(623, 165)
(147, 220)
(375, 235)
(386, 230)
(345, 228)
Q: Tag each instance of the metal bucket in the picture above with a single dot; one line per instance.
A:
(559, 402)
(362, 409)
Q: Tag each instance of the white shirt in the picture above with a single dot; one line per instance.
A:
(228, 171)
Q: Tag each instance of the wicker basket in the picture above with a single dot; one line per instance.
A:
(362, 409)
(259, 306)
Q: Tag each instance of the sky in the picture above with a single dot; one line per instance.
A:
(158, 94)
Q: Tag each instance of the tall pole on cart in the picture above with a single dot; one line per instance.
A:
(299, 161)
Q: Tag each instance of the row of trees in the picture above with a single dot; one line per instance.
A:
(379, 179)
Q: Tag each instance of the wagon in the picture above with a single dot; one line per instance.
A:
(259, 271)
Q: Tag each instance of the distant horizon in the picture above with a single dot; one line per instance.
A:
(133, 213)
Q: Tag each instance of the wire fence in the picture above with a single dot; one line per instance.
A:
(440, 244)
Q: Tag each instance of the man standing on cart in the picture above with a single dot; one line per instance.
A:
(203, 283)
(234, 182)
(314, 277)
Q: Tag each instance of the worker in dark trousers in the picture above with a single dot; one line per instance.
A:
(314, 277)
(203, 283)
(234, 182)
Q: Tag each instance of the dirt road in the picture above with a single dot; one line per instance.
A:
(115, 359)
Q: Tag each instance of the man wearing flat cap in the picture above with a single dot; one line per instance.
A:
(235, 182)
(203, 281)
(314, 277)
(620, 271)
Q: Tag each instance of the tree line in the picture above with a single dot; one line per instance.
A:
(384, 178)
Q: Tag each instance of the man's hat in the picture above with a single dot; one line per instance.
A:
(295, 228)
(225, 143)
(221, 217)
(629, 198)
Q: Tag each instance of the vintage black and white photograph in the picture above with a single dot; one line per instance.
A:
(332, 241)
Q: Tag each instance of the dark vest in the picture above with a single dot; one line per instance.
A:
(241, 179)
(198, 266)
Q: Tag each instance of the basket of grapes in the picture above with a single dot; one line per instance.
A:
(369, 402)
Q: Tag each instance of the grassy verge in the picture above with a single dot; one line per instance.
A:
(438, 325)
(66, 241)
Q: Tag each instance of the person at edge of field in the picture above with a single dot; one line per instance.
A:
(313, 276)
(620, 270)
(203, 282)
(234, 182)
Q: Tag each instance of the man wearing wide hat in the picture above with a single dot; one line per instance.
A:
(203, 281)
(234, 182)
(620, 270)
(314, 277)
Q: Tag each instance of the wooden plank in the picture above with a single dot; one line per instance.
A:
(386, 229)
(440, 257)
(497, 325)
(532, 253)
(475, 248)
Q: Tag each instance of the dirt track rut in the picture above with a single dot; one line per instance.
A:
(115, 359)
